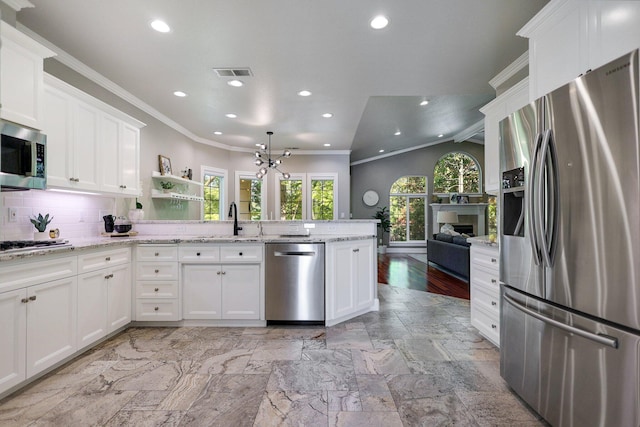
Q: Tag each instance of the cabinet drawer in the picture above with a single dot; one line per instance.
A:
(241, 253)
(487, 324)
(486, 299)
(157, 271)
(159, 289)
(486, 257)
(157, 253)
(97, 260)
(195, 254)
(157, 309)
(486, 278)
(27, 273)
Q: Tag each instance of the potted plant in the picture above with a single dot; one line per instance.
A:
(40, 223)
(383, 227)
(166, 186)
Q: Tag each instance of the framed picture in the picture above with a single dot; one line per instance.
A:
(165, 165)
(453, 198)
(463, 200)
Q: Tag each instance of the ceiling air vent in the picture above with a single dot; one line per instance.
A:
(233, 72)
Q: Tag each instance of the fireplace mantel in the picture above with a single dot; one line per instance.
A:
(475, 209)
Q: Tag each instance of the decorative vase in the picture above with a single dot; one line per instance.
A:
(40, 235)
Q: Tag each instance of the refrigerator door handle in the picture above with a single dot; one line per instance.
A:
(547, 199)
(531, 205)
(599, 338)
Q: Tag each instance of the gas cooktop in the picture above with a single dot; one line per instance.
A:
(12, 246)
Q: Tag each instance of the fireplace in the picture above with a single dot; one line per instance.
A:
(473, 214)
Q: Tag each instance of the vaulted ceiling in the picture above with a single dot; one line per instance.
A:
(371, 81)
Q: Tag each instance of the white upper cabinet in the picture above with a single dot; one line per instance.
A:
(21, 62)
(569, 37)
(90, 145)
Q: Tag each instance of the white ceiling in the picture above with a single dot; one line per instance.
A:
(372, 81)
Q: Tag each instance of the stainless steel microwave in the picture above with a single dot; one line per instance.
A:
(22, 158)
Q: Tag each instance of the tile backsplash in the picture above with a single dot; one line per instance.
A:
(75, 215)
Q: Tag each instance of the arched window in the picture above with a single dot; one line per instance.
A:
(408, 201)
(457, 173)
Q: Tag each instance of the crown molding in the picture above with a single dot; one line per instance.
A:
(510, 70)
(18, 4)
(467, 133)
(552, 8)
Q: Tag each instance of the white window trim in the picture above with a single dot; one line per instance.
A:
(263, 191)
(225, 188)
(424, 195)
(294, 176)
(322, 176)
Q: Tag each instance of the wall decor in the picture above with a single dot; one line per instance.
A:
(453, 198)
(165, 165)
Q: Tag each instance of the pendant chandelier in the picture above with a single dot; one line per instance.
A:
(264, 160)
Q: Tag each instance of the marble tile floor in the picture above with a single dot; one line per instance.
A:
(416, 362)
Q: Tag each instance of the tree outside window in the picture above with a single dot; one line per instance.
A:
(250, 199)
(322, 203)
(212, 185)
(456, 173)
(290, 199)
(407, 199)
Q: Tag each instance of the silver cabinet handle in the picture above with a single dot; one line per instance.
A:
(294, 253)
(24, 300)
(224, 272)
(493, 326)
(108, 258)
(156, 309)
(599, 338)
(32, 298)
(157, 271)
(494, 303)
(218, 273)
(493, 281)
(493, 260)
(156, 289)
(157, 254)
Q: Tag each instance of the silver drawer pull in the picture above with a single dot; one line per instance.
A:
(218, 273)
(24, 300)
(493, 260)
(198, 254)
(494, 281)
(156, 309)
(493, 326)
(157, 271)
(240, 253)
(156, 289)
(32, 298)
(494, 303)
(157, 254)
(224, 272)
(108, 258)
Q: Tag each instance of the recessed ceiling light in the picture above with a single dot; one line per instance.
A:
(380, 151)
(379, 22)
(398, 133)
(217, 132)
(180, 93)
(304, 93)
(425, 102)
(160, 26)
(441, 135)
(327, 115)
(235, 83)
(327, 145)
(231, 115)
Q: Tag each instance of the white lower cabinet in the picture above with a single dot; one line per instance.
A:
(485, 291)
(232, 290)
(351, 275)
(157, 287)
(38, 302)
(104, 294)
(13, 338)
(51, 323)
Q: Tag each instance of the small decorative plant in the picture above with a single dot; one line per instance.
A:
(166, 185)
(385, 223)
(40, 223)
(138, 204)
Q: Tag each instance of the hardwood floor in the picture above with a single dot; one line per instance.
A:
(401, 270)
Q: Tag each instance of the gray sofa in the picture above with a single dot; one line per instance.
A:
(450, 252)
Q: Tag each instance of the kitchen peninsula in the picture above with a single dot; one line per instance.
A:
(67, 300)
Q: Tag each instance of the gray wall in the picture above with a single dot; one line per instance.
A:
(158, 138)
(380, 174)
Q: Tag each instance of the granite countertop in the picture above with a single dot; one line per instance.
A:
(483, 240)
(106, 242)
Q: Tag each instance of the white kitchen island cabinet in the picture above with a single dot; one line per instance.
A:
(222, 282)
(351, 279)
(485, 289)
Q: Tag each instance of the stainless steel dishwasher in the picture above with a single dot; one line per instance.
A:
(294, 283)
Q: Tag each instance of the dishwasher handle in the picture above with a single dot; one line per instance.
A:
(294, 253)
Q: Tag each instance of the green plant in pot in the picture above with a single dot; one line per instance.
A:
(384, 226)
(166, 185)
(40, 223)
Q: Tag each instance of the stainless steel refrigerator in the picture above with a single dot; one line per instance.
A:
(570, 250)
